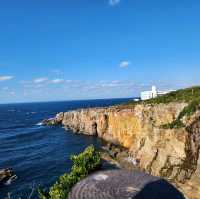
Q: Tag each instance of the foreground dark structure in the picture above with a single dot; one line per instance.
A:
(122, 184)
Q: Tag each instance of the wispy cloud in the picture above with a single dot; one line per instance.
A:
(7, 91)
(68, 81)
(114, 2)
(12, 92)
(57, 81)
(5, 88)
(124, 64)
(57, 72)
(40, 80)
(110, 85)
(5, 78)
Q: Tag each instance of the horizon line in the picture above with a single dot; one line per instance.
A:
(29, 102)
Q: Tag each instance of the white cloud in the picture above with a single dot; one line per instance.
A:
(24, 82)
(5, 78)
(40, 80)
(115, 82)
(38, 86)
(124, 64)
(12, 93)
(57, 72)
(114, 2)
(68, 81)
(5, 88)
(57, 81)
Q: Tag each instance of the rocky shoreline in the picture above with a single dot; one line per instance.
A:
(169, 153)
(6, 176)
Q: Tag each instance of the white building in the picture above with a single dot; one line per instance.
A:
(145, 95)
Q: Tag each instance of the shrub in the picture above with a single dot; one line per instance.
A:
(173, 125)
(187, 111)
(188, 95)
(83, 164)
(190, 109)
(182, 95)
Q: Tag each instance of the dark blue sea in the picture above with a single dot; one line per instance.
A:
(38, 154)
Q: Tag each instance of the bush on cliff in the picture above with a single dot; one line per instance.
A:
(191, 108)
(83, 164)
(188, 95)
(182, 95)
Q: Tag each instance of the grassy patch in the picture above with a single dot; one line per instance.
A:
(173, 125)
(182, 95)
(187, 111)
(188, 95)
(83, 164)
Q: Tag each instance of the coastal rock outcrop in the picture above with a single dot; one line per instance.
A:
(169, 153)
(7, 176)
(53, 121)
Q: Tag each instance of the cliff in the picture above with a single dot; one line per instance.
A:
(172, 153)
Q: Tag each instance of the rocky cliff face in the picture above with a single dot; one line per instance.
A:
(169, 153)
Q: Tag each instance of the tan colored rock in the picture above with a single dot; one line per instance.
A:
(59, 117)
(169, 153)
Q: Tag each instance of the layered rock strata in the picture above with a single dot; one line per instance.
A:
(169, 153)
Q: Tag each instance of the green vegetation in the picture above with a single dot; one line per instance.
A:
(187, 111)
(183, 95)
(83, 164)
(188, 95)
(174, 125)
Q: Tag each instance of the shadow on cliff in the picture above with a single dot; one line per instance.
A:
(159, 189)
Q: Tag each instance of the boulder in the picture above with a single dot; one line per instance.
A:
(6, 176)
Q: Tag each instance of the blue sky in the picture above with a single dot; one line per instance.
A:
(86, 49)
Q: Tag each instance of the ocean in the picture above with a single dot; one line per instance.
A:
(37, 154)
